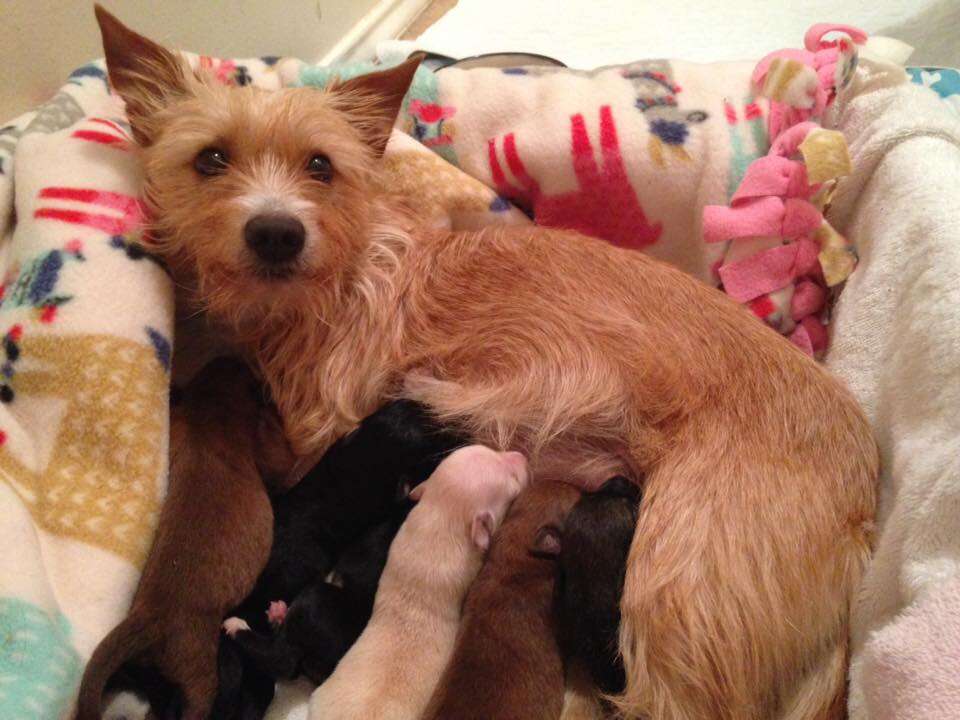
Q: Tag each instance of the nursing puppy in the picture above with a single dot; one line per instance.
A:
(212, 540)
(594, 544)
(593, 360)
(325, 618)
(341, 516)
(391, 671)
(243, 693)
(506, 663)
(356, 486)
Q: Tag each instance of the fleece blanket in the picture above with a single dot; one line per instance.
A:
(632, 155)
(896, 342)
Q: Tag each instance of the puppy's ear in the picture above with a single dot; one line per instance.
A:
(417, 492)
(374, 100)
(547, 542)
(622, 487)
(481, 530)
(275, 458)
(146, 75)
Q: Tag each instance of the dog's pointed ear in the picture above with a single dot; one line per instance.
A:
(146, 75)
(375, 99)
(417, 492)
(547, 542)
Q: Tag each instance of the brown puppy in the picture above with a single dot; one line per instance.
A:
(760, 468)
(507, 664)
(212, 540)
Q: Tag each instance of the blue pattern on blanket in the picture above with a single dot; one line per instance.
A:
(38, 666)
(945, 82)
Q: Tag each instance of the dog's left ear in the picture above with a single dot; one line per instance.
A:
(374, 100)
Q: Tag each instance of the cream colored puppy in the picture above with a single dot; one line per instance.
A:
(391, 670)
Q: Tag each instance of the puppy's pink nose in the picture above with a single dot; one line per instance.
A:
(517, 463)
(275, 239)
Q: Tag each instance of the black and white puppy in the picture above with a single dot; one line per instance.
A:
(355, 487)
(332, 533)
(324, 620)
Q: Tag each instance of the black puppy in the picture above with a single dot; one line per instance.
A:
(340, 517)
(355, 487)
(243, 692)
(327, 617)
(596, 539)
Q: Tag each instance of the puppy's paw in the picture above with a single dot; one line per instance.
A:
(277, 612)
(233, 625)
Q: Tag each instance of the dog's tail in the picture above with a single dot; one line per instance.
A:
(822, 695)
(126, 641)
(734, 604)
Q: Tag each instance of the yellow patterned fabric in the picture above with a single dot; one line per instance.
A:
(99, 481)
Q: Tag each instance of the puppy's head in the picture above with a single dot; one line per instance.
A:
(257, 197)
(477, 484)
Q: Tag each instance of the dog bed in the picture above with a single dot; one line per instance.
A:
(632, 154)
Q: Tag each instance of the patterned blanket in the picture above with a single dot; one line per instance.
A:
(629, 154)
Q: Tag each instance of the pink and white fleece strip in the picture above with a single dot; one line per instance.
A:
(784, 256)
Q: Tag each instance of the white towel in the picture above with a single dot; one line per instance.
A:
(896, 342)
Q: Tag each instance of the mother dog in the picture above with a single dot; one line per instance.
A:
(759, 467)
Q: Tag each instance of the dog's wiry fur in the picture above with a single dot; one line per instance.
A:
(392, 669)
(760, 468)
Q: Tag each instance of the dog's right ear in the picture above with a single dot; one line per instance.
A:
(547, 543)
(146, 75)
(417, 492)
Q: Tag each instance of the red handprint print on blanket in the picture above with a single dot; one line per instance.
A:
(604, 204)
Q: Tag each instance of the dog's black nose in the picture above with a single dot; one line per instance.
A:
(275, 238)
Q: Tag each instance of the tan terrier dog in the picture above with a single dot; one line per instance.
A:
(593, 360)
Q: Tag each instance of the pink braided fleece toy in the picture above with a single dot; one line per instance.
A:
(788, 255)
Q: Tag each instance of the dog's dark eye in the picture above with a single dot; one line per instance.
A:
(320, 168)
(211, 161)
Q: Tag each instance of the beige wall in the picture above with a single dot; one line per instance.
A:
(43, 40)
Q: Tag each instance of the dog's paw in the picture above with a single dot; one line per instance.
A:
(277, 612)
(233, 625)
